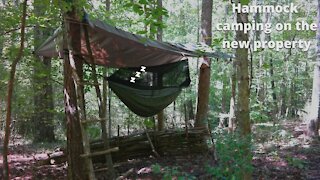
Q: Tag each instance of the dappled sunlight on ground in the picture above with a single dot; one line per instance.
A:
(280, 152)
(283, 152)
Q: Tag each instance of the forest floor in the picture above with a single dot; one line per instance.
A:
(281, 152)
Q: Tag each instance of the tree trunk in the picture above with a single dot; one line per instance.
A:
(285, 84)
(102, 99)
(105, 90)
(190, 109)
(243, 80)
(204, 76)
(10, 93)
(42, 85)
(243, 111)
(160, 115)
(274, 95)
(174, 115)
(108, 3)
(109, 115)
(232, 111)
(103, 112)
(314, 114)
(274, 104)
(77, 140)
(313, 120)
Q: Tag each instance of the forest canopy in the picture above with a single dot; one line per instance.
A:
(118, 99)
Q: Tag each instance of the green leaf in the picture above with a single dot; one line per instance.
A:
(142, 32)
(127, 5)
(244, 2)
(148, 123)
(143, 1)
(266, 66)
(156, 168)
(137, 8)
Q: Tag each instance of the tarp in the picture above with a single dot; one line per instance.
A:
(114, 47)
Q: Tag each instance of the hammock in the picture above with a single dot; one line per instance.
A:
(148, 90)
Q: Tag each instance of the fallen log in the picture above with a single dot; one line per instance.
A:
(168, 143)
(53, 158)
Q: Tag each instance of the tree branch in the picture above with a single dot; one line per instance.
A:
(10, 93)
(14, 29)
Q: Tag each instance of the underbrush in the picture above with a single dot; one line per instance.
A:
(233, 155)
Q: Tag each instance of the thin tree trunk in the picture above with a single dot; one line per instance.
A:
(106, 91)
(243, 111)
(198, 31)
(174, 114)
(102, 102)
(313, 121)
(232, 111)
(112, 172)
(102, 107)
(108, 5)
(293, 98)
(285, 84)
(274, 105)
(314, 115)
(190, 109)
(43, 94)
(109, 111)
(243, 80)
(10, 93)
(159, 30)
(160, 115)
(204, 77)
(160, 118)
(224, 97)
(1, 68)
(273, 88)
(233, 83)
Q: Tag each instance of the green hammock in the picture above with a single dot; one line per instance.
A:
(152, 90)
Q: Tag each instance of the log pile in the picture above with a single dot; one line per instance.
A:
(166, 143)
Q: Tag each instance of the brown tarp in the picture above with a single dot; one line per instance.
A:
(114, 47)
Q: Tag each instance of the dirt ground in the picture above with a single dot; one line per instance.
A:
(281, 152)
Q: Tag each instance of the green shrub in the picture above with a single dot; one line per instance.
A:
(169, 173)
(233, 157)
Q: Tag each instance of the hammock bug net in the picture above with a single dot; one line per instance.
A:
(148, 90)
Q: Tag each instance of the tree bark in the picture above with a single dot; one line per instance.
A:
(102, 102)
(314, 114)
(274, 95)
(10, 93)
(243, 80)
(102, 99)
(109, 115)
(160, 115)
(108, 5)
(159, 30)
(42, 85)
(204, 76)
(274, 104)
(232, 109)
(77, 140)
(243, 111)
(106, 91)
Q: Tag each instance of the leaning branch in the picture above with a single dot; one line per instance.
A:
(10, 92)
(14, 29)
